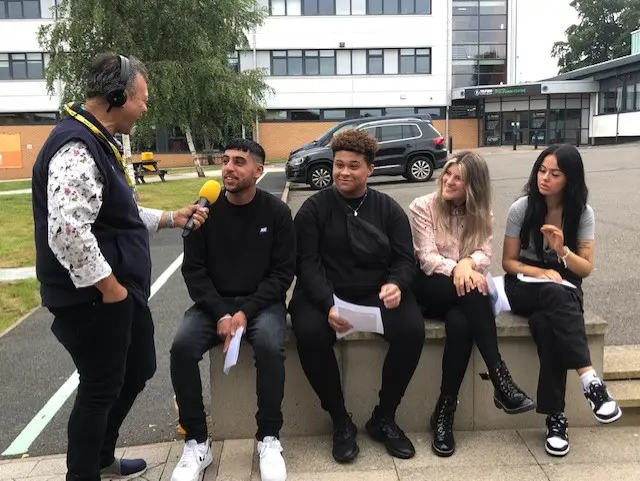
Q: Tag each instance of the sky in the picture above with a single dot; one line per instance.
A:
(540, 24)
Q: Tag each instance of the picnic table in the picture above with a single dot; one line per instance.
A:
(147, 166)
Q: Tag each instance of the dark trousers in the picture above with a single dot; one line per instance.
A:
(113, 349)
(556, 319)
(467, 319)
(198, 334)
(403, 330)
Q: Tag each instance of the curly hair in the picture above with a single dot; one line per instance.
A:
(357, 141)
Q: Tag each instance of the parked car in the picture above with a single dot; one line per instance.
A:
(408, 146)
(325, 138)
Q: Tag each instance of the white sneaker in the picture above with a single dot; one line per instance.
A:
(195, 458)
(272, 467)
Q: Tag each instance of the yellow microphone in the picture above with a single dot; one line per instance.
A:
(209, 193)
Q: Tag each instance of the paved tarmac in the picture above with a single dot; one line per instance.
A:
(613, 178)
(34, 365)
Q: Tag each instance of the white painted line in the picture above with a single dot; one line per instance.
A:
(30, 433)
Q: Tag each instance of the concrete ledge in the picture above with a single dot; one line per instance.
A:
(360, 357)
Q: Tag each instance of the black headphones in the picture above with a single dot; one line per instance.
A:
(118, 97)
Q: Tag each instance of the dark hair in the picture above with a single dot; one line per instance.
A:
(358, 141)
(104, 74)
(247, 145)
(574, 198)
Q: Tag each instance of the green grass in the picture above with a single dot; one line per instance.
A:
(16, 241)
(173, 194)
(15, 185)
(16, 299)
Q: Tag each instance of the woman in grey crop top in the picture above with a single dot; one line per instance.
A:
(550, 236)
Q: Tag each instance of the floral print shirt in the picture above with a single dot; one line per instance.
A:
(74, 199)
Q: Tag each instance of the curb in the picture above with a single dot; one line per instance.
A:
(285, 192)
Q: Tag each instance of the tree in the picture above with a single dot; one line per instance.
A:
(185, 45)
(604, 33)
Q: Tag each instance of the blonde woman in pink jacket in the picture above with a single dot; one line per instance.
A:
(452, 233)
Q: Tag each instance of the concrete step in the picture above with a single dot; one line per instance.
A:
(621, 362)
(626, 393)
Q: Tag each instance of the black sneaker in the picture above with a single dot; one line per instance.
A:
(385, 430)
(345, 448)
(604, 407)
(557, 443)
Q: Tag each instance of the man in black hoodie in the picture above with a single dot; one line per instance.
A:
(237, 268)
(371, 266)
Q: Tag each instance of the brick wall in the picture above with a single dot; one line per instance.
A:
(280, 138)
(170, 160)
(463, 131)
(30, 135)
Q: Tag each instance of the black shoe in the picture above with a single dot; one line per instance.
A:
(443, 443)
(604, 407)
(385, 430)
(507, 395)
(345, 448)
(557, 443)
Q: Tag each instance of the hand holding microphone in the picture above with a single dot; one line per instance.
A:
(192, 217)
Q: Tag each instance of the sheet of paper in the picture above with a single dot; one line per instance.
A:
(361, 318)
(499, 300)
(523, 278)
(231, 359)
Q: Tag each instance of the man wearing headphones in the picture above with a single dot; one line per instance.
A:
(93, 261)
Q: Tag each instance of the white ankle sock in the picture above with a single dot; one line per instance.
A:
(588, 377)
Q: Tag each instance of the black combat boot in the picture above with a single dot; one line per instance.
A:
(442, 425)
(507, 395)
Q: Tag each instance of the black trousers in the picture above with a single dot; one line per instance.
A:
(113, 349)
(403, 330)
(198, 334)
(556, 319)
(467, 318)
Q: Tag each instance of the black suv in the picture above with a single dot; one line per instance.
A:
(409, 146)
(325, 138)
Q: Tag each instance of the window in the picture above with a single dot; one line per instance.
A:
(318, 7)
(493, 7)
(493, 22)
(319, 62)
(463, 22)
(465, 7)
(375, 62)
(311, 114)
(234, 62)
(399, 111)
(286, 62)
(334, 114)
(398, 7)
(493, 51)
(299, 62)
(277, 7)
(415, 60)
(21, 66)
(465, 37)
(20, 9)
(493, 36)
(23, 118)
(276, 115)
(630, 97)
(390, 132)
(370, 112)
(397, 132)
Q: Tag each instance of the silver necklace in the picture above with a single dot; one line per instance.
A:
(355, 211)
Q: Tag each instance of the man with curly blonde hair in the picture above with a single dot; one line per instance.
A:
(355, 243)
